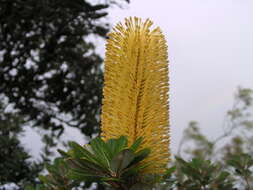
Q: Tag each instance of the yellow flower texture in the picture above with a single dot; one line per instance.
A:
(135, 92)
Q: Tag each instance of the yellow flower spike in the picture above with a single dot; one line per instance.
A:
(136, 88)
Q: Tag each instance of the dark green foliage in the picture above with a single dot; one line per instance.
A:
(57, 177)
(111, 162)
(199, 174)
(15, 164)
(36, 187)
(202, 174)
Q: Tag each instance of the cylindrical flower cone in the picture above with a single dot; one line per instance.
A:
(135, 94)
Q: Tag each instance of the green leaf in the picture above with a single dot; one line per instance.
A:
(63, 154)
(43, 179)
(81, 152)
(196, 163)
(122, 160)
(91, 165)
(29, 187)
(117, 145)
(106, 179)
(136, 144)
(83, 176)
(141, 186)
(101, 151)
(169, 171)
(223, 176)
(134, 169)
(36, 187)
(141, 155)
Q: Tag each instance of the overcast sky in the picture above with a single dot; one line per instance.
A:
(210, 52)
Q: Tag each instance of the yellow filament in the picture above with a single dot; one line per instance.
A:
(136, 88)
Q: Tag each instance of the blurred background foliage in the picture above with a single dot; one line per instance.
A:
(15, 164)
(51, 79)
(224, 162)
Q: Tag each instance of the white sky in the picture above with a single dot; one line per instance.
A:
(210, 52)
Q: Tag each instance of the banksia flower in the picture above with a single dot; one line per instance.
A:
(135, 102)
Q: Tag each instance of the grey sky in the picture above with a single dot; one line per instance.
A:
(210, 51)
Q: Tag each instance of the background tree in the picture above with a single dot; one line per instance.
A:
(15, 164)
(225, 162)
(49, 69)
(237, 135)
